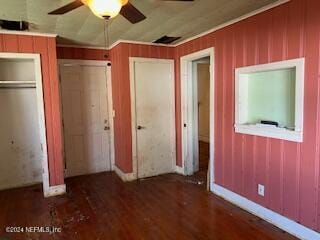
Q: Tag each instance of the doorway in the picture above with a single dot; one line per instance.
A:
(23, 146)
(88, 126)
(201, 75)
(153, 116)
(197, 99)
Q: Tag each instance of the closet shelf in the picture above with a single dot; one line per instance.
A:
(17, 84)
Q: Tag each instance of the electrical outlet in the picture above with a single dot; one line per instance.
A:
(261, 190)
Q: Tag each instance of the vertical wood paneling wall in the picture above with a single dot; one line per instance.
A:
(289, 170)
(119, 55)
(82, 53)
(46, 47)
(121, 95)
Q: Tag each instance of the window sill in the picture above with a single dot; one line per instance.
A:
(269, 131)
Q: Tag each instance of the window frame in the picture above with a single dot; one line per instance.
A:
(241, 97)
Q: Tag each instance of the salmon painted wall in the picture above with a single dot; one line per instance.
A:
(121, 95)
(289, 170)
(46, 47)
(82, 53)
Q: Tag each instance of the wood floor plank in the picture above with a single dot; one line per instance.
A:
(101, 206)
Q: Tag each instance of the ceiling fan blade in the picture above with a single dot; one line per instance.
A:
(67, 8)
(131, 13)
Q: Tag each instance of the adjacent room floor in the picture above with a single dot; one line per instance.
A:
(101, 206)
(200, 177)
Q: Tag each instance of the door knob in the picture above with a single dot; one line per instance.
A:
(140, 127)
(106, 128)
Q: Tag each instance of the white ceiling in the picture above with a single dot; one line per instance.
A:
(81, 27)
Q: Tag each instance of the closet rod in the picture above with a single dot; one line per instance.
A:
(11, 86)
(17, 82)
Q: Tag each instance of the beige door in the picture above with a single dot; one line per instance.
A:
(154, 109)
(86, 123)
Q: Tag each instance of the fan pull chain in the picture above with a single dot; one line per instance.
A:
(106, 36)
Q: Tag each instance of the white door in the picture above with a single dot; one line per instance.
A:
(154, 115)
(86, 122)
(20, 147)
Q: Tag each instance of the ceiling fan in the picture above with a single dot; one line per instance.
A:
(107, 9)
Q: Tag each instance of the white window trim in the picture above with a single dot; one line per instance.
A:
(297, 134)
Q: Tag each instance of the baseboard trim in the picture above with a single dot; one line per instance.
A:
(272, 217)
(126, 177)
(179, 170)
(55, 190)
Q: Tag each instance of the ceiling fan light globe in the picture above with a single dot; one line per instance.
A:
(105, 8)
(124, 2)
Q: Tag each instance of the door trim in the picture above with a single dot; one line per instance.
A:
(186, 113)
(47, 189)
(107, 64)
(132, 61)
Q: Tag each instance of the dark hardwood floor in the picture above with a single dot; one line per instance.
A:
(101, 206)
(200, 177)
(204, 155)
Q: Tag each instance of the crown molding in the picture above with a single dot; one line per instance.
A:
(82, 46)
(138, 42)
(114, 45)
(2, 31)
